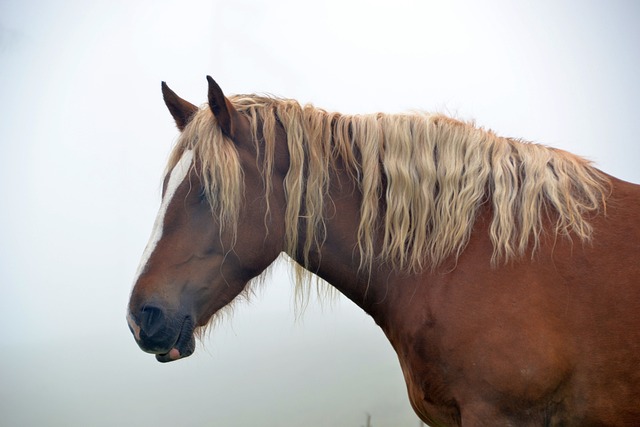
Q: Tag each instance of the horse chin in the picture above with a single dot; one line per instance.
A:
(184, 346)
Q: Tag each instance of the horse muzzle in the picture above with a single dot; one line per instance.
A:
(168, 336)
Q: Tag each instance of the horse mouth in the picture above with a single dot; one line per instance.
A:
(184, 346)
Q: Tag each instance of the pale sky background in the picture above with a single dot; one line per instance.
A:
(84, 136)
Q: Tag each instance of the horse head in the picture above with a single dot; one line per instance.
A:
(190, 267)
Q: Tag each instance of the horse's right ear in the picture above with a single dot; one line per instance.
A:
(181, 110)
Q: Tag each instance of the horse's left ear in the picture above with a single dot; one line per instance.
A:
(222, 109)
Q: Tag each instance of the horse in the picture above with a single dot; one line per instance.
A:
(505, 274)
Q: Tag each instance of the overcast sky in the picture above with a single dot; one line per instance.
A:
(84, 136)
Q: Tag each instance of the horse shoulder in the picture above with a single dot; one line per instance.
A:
(531, 338)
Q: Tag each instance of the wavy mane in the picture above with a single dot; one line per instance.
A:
(423, 178)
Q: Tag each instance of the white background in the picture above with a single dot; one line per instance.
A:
(84, 136)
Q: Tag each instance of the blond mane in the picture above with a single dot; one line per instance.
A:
(423, 179)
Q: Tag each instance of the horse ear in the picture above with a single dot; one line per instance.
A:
(181, 110)
(222, 108)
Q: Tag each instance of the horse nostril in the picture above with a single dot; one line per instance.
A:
(152, 319)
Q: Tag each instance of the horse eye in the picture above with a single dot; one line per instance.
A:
(202, 196)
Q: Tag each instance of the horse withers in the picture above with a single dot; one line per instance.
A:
(505, 274)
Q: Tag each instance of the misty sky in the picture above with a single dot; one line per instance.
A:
(84, 136)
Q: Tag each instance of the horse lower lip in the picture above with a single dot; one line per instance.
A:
(168, 357)
(185, 344)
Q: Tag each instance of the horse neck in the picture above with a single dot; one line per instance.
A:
(338, 259)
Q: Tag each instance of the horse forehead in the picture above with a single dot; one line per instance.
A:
(178, 174)
(176, 177)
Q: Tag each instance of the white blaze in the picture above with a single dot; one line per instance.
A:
(178, 174)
